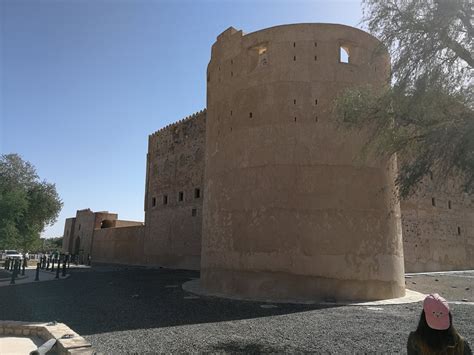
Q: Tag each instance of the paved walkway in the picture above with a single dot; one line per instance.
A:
(30, 274)
(13, 345)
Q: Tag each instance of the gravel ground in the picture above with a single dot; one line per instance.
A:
(146, 311)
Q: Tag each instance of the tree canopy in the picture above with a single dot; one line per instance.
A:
(27, 204)
(426, 112)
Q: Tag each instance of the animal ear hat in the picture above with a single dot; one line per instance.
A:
(436, 312)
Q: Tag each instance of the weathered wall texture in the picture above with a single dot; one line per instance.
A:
(68, 239)
(174, 191)
(122, 245)
(290, 211)
(438, 228)
(79, 231)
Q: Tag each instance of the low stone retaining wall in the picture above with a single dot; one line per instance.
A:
(67, 340)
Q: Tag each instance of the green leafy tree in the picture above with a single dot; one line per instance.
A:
(51, 244)
(425, 114)
(27, 204)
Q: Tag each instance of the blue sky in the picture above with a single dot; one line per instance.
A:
(84, 82)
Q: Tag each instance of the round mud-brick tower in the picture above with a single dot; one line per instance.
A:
(291, 210)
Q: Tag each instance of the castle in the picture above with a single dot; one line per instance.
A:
(266, 196)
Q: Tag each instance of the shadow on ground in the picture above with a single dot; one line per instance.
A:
(108, 299)
(235, 347)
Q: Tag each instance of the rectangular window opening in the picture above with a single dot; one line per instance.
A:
(344, 56)
(153, 202)
(295, 119)
(316, 101)
(294, 102)
(433, 201)
(181, 196)
(315, 57)
(194, 212)
(459, 230)
(294, 58)
(250, 114)
(165, 199)
(294, 44)
(315, 44)
(231, 73)
(197, 193)
(449, 204)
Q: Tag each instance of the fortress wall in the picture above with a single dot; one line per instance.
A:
(68, 235)
(121, 245)
(175, 167)
(290, 211)
(123, 223)
(82, 232)
(431, 237)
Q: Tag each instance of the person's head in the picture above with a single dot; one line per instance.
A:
(437, 313)
(436, 322)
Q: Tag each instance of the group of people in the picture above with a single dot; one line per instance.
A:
(435, 333)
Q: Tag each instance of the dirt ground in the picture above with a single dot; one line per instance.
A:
(456, 286)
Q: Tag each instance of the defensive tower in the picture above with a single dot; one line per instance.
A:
(290, 210)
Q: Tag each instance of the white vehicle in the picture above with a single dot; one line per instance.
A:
(12, 254)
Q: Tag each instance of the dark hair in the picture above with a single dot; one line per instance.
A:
(436, 339)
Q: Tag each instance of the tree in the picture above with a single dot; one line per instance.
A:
(426, 113)
(27, 204)
(51, 244)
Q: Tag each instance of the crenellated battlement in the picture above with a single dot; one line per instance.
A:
(177, 123)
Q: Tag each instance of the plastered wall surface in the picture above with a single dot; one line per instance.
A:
(438, 227)
(174, 193)
(289, 210)
(122, 245)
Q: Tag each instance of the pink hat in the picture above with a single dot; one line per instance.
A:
(436, 312)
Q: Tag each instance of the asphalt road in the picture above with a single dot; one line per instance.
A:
(146, 311)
